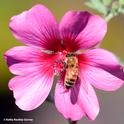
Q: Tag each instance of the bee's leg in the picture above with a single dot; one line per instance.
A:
(65, 65)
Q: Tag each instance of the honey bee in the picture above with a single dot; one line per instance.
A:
(71, 74)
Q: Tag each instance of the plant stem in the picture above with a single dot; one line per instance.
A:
(109, 17)
(50, 98)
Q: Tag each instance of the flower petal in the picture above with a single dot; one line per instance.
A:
(81, 30)
(23, 60)
(65, 101)
(30, 91)
(36, 27)
(102, 69)
(25, 68)
(76, 102)
(70, 26)
(93, 32)
(22, 54)
(88, 100)
(36, 72)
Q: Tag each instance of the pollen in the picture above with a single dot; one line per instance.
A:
(58, 66)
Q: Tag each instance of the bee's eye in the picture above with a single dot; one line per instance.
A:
(68, 55)
(72, 54)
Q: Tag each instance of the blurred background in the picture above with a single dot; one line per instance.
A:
(112, 103)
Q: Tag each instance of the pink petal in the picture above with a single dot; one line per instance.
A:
(88, 99)
(70, 26)
(81, 30)
(22, 54)
(25, 68)
(101, 68)
(36, 27)
(36, 72)
(93, 32)
(78, 101)
(66, 105)
(23, 60)
(30, 91)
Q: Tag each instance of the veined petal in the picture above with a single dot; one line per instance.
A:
(88, 99)
(101, 56)
(23, 60)
(36, 72)
(65, 101)
(71, 25)
(81, 30)
(31, 90)
(24, 68)
(22, 54)
(36, 27)
(93, 32)
(102, 69)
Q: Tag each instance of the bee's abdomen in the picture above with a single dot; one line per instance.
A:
(69, 83)
(71, 71)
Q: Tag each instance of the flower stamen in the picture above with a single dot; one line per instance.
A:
(59, 66)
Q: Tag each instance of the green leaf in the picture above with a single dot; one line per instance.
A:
(115, 5)
(97, 5)
(121, 2)
(89, 4)
(107, 2)
(115, 8)
(121, 10)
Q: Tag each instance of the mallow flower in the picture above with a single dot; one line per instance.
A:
(50, 48)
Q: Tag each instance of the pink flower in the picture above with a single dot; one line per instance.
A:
(49, 43)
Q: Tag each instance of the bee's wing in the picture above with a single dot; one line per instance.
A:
(49, 52)
(79, 52)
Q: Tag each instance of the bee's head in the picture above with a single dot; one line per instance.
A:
(70, 54)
